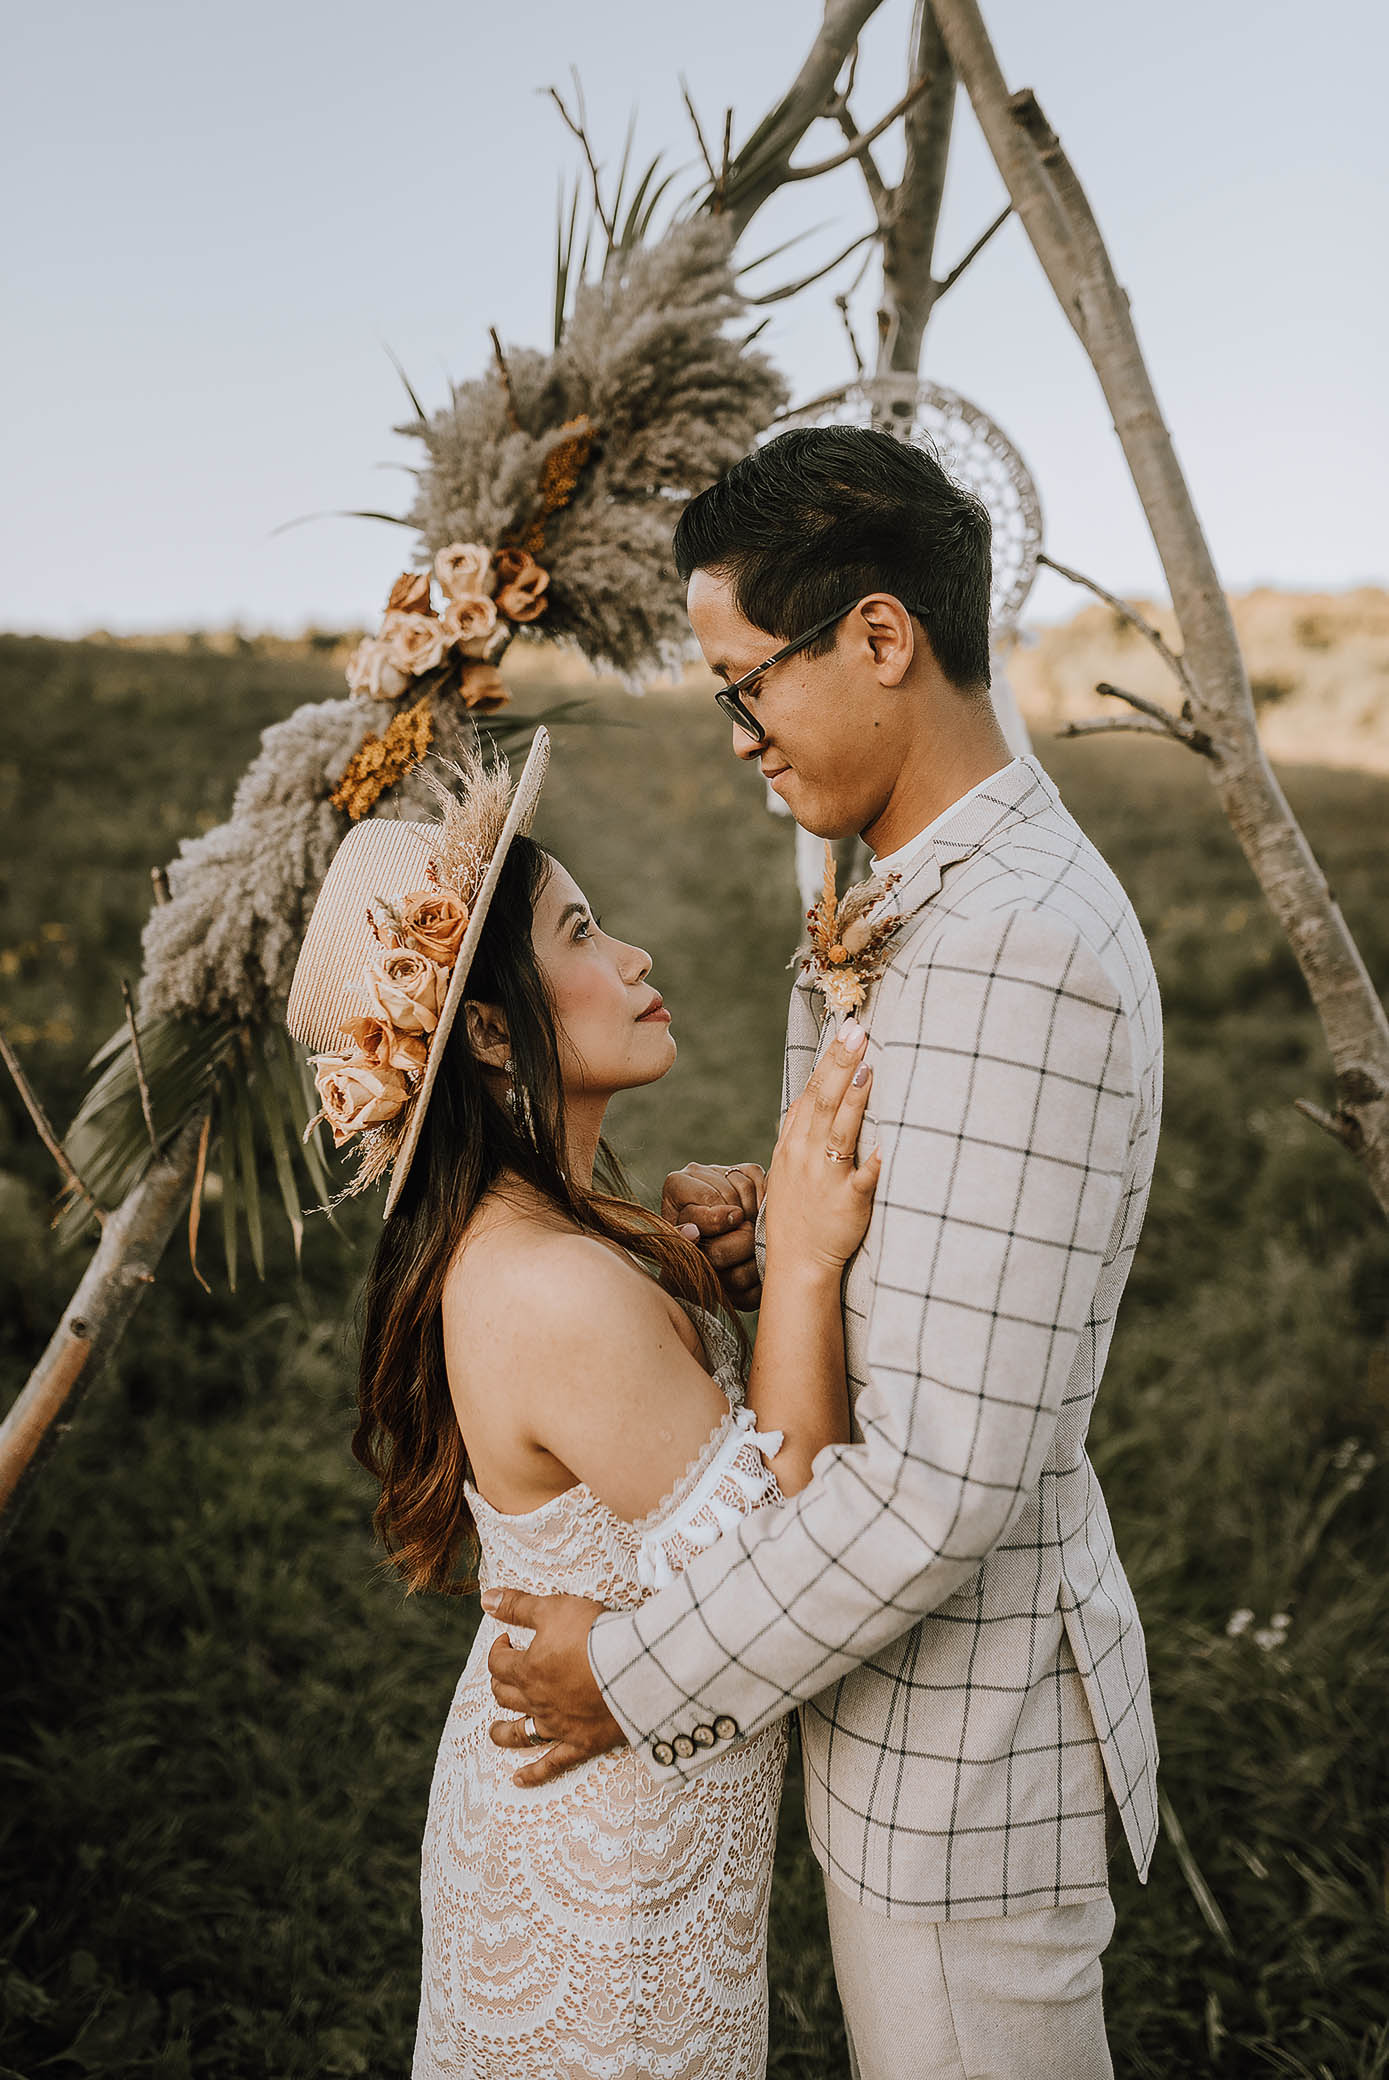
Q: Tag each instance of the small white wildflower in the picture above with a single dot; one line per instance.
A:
(1344, 1453)
(1238, 1623)
(1266, 1638)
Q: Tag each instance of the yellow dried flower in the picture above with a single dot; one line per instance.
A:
(379, 762)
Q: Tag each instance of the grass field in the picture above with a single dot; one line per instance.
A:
(218, 1719)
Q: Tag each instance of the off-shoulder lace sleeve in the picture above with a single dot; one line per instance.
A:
(730, 1479)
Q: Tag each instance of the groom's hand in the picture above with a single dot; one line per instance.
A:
(551, 1680)
(719, 1204)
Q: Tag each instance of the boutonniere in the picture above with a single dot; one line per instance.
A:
(848, 946)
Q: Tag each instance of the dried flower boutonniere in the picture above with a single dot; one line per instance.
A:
(848, 945)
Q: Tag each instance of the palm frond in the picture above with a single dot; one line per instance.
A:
(108, 1141)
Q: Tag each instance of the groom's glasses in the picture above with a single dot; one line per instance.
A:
(729, 697)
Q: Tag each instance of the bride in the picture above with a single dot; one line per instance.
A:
(549, 1395)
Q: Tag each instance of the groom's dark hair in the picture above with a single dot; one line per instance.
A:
(824, 514)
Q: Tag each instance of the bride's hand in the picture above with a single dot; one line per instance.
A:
(819, 1198)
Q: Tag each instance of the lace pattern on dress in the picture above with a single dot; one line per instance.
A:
(608, 1925)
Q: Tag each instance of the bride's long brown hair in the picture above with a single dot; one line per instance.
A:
(407, 1433)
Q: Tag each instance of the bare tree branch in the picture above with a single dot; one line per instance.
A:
(578, 125)
(879, 194)
(975, 250)
(1341, 1126)
(758, 169)
(133, 1238)
(1154, 716)
(909, 229)
(693, 114)
(1104, 725)
(1175, 663)
(861, 142)
(44, 1125)
(841, 304)
(794, 288)
(1060, 223)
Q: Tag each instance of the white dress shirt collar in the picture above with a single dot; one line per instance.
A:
(906, 856)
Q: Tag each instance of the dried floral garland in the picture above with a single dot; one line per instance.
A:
(848, 946)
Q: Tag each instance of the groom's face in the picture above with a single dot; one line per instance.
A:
(831, 747)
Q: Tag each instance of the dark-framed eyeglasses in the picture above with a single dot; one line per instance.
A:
(729, 697)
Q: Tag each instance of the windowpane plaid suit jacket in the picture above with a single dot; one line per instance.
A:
(944, 1600)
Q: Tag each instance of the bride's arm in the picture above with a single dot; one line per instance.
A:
(817, 1213)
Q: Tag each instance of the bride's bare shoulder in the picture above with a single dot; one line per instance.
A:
(525, 1278)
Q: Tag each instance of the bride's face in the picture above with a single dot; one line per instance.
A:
(614, 1032)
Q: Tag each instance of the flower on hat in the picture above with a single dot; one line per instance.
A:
(354, 1095)
(404, 988)
(377, 1044)
(434, 920)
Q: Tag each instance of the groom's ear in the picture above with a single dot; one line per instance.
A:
(891, 636)
(485, 1025)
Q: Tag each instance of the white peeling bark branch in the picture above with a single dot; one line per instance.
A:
(913, 214)
(762, 165)
(133, 1239)
(1059, 221)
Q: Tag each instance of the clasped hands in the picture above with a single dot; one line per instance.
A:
(549, 1685)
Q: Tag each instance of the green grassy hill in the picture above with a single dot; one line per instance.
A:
(218, 1719)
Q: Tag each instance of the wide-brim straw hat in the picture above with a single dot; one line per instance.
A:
(388, 857)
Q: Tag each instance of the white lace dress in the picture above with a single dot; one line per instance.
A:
(604, 1926)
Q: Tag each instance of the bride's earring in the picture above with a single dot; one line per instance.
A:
(513, 1096)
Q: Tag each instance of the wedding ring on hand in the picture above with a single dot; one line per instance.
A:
(833, 1155)
(533, 1739)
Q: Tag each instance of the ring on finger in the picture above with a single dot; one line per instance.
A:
(533, 1739)
(834, 1155)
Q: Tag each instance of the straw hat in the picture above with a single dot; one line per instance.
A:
(385, 859)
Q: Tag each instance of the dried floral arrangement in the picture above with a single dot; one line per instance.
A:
(848, 945)
(549, 490)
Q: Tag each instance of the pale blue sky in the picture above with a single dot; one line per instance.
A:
(227, 213)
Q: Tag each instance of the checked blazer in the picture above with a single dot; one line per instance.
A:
(944, 1601)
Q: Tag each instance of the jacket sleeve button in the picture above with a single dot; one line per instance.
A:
(704, 1737)
(684, 1746)
(726, 1728)
(662, 1752)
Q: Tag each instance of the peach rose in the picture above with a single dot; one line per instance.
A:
(521, 585)
(372, 671)
(417, 642)
(405, 989)
(435, 920)
(354, 1095)
(483, 688)
(410, 593)
(464, 569)
(470, 622)
(377, 1045)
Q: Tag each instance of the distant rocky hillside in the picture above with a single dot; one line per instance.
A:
(1318, 663)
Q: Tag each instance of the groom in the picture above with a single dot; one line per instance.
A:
(943, 1602)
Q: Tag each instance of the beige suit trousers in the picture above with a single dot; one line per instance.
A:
(1007, 1997)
